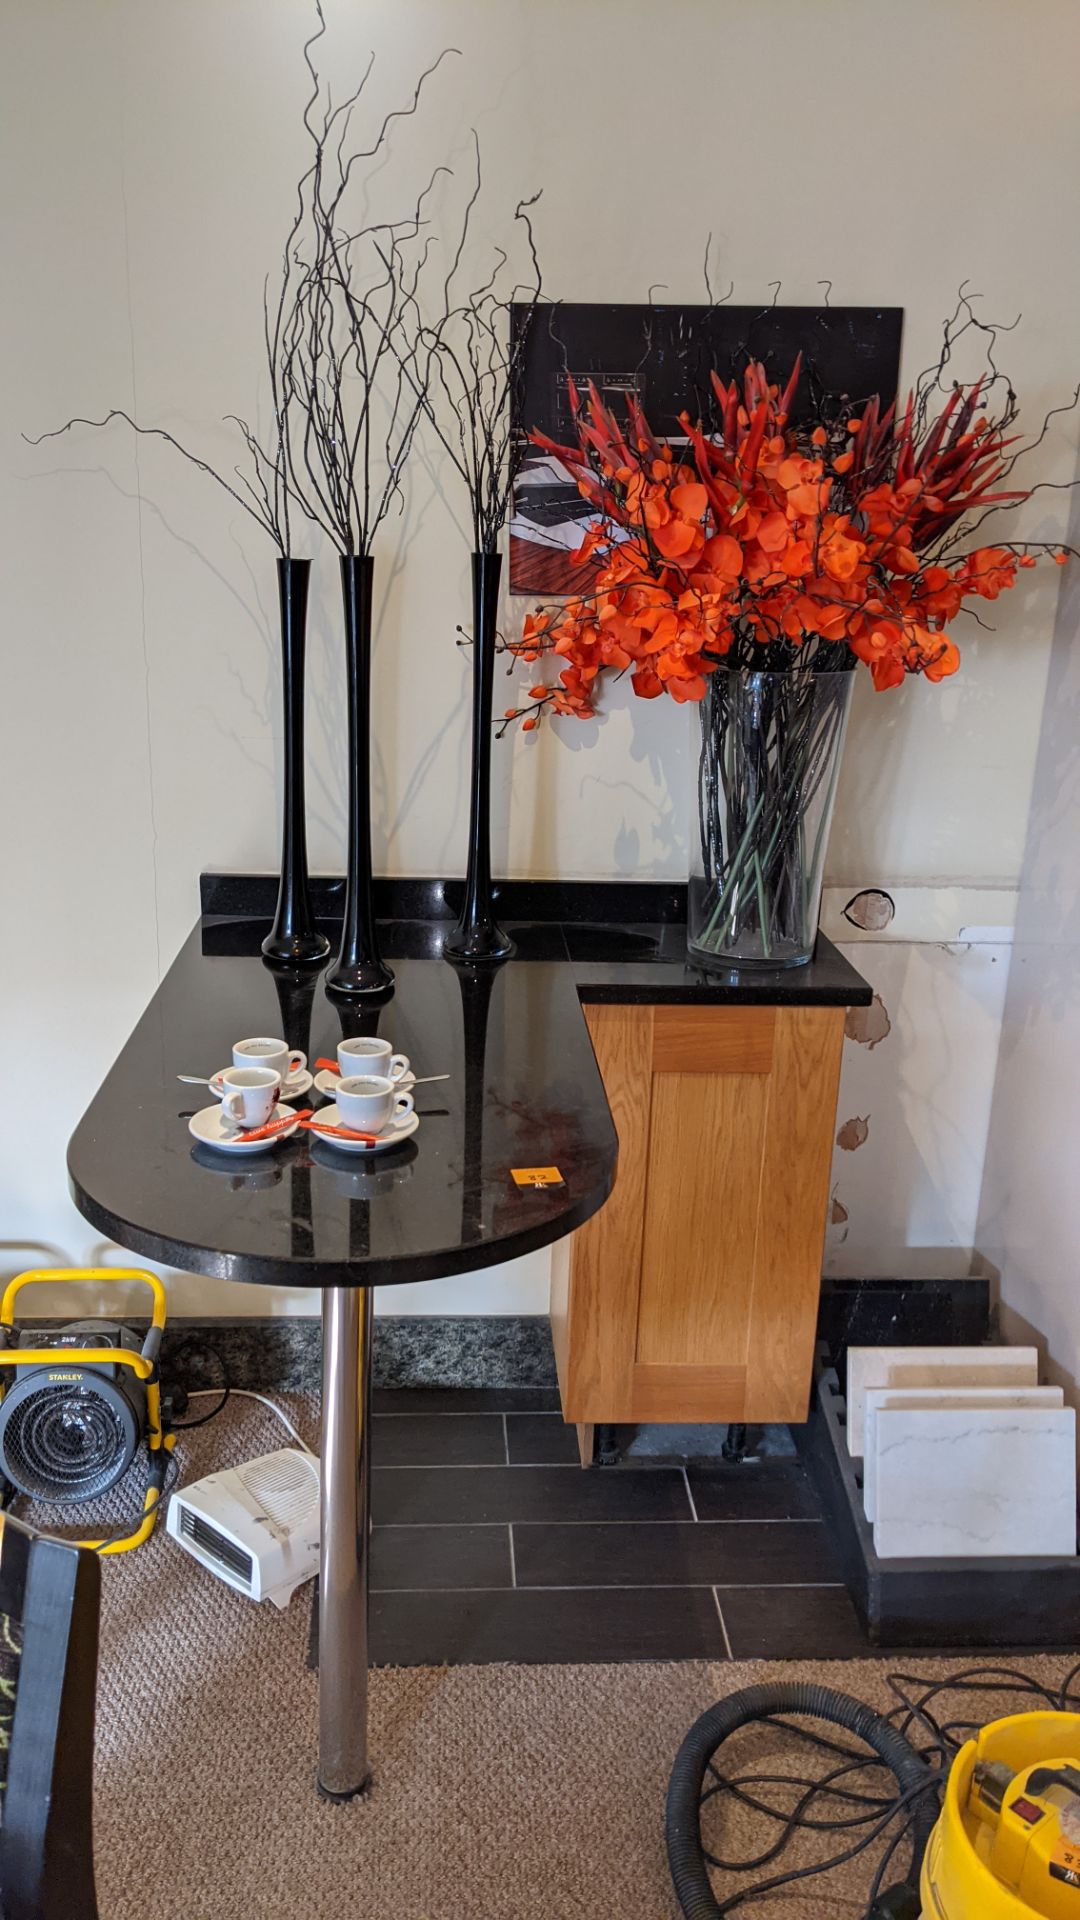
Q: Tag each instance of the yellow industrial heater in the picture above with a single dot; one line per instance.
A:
(79, 1401)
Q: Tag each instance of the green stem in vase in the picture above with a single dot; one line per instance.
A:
(725, 885)
(762, 908)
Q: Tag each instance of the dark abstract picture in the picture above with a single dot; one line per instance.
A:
(665, 356)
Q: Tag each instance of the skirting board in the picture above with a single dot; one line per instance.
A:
(410, 1351)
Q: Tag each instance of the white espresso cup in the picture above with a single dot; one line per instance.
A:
(269, 1053)
(249, 1095)
(371, 1055)
(369, 1101)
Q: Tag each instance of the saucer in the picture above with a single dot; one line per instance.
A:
(210, 1130)
(291, 1089)
(391, 1136)
(328, 1082)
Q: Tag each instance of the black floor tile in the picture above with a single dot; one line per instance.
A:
(457, 1495)
(440, 1558)
(541, 1439)
(791, 1623)
(766, 1489)
(465, 1399)
(438, 1440)
(762, 1553)
(435, 1629)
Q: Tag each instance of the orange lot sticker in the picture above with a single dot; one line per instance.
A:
(536, 1177)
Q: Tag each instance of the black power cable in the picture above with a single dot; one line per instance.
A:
(193, 1343)
(912, 1741)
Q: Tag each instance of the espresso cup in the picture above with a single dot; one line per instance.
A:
(269, 1053)
(369, 1101)
(249, 1095)
(364, 1055)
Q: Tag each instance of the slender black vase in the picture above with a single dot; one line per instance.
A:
(359, 967)
(294, 939)
(478, 935)
(477, 985)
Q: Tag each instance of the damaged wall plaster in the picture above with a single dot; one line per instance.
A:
(916, 1084)
(872, 909)
(868, 1026)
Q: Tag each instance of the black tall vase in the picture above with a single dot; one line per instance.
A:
(294, 939)
(478, 936)
(359, 967)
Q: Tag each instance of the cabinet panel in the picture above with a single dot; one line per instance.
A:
(699, 1393)
(595, 1318)
(796, 1160)
(701, 1213)
(693, 1294)
(713, 1039)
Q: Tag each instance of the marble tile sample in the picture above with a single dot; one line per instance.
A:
(930, 1367)
(960, 1482)
(934, 1397)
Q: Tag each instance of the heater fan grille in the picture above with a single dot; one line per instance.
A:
(67, 1441)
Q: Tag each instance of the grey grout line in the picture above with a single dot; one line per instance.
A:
(689, 1494)
(642, 1586)
(592, 1521)
(563, 1466)
(723, 1624)
(458, 1413)
(513, 1561)
(506, 1440)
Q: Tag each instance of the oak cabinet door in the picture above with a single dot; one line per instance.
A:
(693, 1294)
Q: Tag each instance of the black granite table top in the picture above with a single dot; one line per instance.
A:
(524, 1091)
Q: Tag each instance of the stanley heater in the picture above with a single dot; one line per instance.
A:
(78, 1402)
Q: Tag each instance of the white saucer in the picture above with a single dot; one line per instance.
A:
(328, 1082)
(391, 1136)
(210, 1130)
(291, 1089)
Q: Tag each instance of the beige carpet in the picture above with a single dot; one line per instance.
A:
(501, 1793)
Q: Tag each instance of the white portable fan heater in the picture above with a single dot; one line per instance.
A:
(256, 1526)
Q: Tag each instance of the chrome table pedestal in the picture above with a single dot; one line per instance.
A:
(344, 1768)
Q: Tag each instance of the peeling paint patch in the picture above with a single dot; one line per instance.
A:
(838, 1213)
(872, 909)
(868, 1026)
(854, 1133)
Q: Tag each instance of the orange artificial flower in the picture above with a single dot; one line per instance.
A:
(745, 546)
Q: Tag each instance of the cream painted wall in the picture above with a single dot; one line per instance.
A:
(148, 151)
(1029, 1220)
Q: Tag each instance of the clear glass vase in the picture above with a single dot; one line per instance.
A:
(768, 758)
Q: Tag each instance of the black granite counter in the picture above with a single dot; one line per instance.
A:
(524, 1089)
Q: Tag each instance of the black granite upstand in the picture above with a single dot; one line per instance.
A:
(928, 1603)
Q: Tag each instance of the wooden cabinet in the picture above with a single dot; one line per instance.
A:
(692, 1295)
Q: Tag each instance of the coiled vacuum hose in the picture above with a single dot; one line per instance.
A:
(685, 1858)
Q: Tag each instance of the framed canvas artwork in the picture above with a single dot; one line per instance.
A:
(664, 355)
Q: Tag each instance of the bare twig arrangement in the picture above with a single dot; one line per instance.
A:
(467, 362)
(351, 349)
(337, 327)
(265, 492)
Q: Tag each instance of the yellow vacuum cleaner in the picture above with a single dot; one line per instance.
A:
(1007, 1845)
(77, 1403)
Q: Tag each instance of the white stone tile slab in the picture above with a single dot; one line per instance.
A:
(931, 1367)
(927, 1397)
(970, 1482)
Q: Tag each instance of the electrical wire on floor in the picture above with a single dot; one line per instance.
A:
(844, 1799)
(240, 1393)
(223, 1394)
